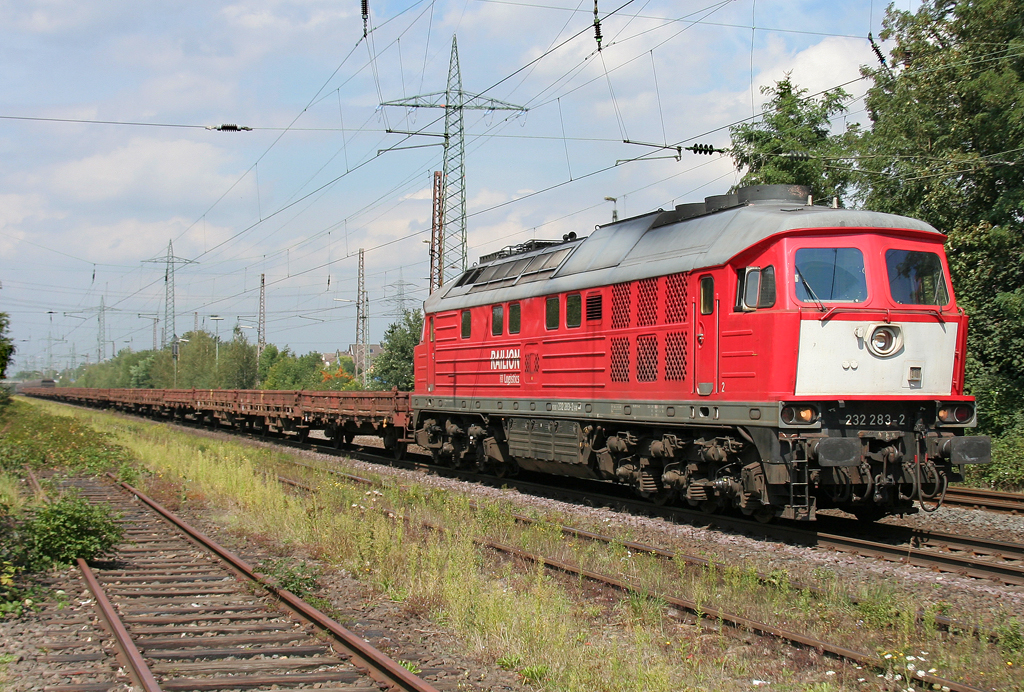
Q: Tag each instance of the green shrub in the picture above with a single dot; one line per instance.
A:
(301, 578)
(58, 532)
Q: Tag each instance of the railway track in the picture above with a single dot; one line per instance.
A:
(703, 611)
(186, 614)
(966, 556)
(988, 500)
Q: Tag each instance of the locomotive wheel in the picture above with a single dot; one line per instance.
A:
(763, 514)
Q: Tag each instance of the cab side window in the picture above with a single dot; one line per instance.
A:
(707, 295)
(467, 324)
(755, 288)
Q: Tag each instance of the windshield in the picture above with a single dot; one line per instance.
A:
(826, 274)
(916, 278)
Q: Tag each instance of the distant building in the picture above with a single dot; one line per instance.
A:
(373, 352)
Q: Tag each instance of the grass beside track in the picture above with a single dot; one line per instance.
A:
(558, 633)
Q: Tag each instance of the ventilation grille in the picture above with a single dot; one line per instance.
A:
(532, 363)
(620, 359)
(620, 306)
(594, 307)
(675, 299)
(647, 358)
(675, 356)
(647, 302)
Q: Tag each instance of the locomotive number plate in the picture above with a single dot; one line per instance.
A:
(874, 420)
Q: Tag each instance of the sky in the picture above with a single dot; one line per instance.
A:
(106, 156)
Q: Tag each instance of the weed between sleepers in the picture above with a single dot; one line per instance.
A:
(586, 641)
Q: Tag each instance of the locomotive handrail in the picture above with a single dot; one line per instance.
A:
(888, 312)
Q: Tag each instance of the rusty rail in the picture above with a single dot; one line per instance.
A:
(380, 666)
(137, 668)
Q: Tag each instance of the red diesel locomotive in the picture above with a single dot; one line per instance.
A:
(751, 351)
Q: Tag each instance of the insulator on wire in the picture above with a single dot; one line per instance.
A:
(705, 149)
(798, 155)
(366, 16)
(597, 27)
(878, 51)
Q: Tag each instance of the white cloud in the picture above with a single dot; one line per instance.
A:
(179, 171)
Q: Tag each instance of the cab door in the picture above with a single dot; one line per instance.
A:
(705, 339)
(431, 354)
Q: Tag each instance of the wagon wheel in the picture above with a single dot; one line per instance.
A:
(348, 437)
(398, 450)
(663, 497)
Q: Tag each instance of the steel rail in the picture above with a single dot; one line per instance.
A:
(988, 500)
(133, 660)
(381, 667)
(701, 611)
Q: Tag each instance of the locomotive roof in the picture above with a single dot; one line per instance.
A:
(654, 244)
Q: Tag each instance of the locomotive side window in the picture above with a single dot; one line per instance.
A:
(573, 310)
(497, 320)
(830, 274)
(513, 318)
(551, 313)
(431, 320)
(766, 298)
(707, 295)
(756, 288)
(467, 323)
(916, 278)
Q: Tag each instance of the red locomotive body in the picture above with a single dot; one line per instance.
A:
(751, 351)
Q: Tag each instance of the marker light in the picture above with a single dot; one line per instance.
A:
(799, 415)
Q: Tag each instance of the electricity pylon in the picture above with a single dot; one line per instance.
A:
(170, 260)
(452, 254)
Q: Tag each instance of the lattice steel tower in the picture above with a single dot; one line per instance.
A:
(452, 253)
(170, 333)
(362, 322)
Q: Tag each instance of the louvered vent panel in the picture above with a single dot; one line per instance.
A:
(620, 359)
(675, 356)
(647, 302)
(594, 307)
(647, 358)
(620, 306)
(675, 299)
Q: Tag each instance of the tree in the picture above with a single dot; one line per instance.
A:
(394, 367)
(6, 344)
(238, 363)
(947, 131)
(774, 150)
(294, 372)
(267, 359)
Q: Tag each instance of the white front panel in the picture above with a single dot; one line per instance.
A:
(834, 360)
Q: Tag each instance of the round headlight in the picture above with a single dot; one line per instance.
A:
(885, 340)
(963, 414)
